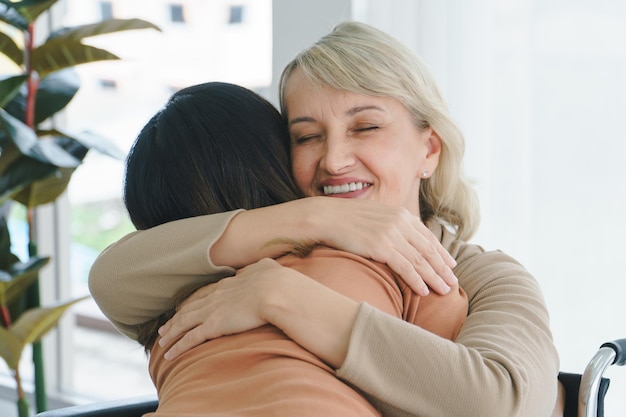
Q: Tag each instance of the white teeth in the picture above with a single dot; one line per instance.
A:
(344, 188)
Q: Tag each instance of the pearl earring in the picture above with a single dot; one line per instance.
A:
(425, 173)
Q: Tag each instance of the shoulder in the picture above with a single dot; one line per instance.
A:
(479, 269)
(331, 255)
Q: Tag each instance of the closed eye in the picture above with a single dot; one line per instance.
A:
(366, 129)
(304, 139)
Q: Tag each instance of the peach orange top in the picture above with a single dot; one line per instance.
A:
(264, 373)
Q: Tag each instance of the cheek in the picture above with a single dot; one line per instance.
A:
(302, 171)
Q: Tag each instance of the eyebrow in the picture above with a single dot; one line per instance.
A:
(355, 110)
(301, 120)
(349, 112)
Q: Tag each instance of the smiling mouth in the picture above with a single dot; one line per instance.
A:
(345, 188)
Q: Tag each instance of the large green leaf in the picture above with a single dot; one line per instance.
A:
(32, 9)
(30, 328)
(10, 348)
(78, 33)
(16, 107)
(20, 277)
(69, 145)
(9, 153)
(64, 48)
(5, 244)
(45, 191)
(55, 92)
(23, 3)
(7, 258)
(21, 174)
(35, 323)
(60, 53)
(27, 142)
(9, 87)
(90, 140)
(9, 48)
(31, 191)
(16, 129)
(50, 188)
(10, 15)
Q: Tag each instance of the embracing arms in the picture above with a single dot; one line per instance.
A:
(503, 362)
(138, 278)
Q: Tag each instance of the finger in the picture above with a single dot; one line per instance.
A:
(406, 260)
(433, 280)
(191, 339)
(436, 244)
(182, 322)
(425, 255)
(407, 272)
(433, 268)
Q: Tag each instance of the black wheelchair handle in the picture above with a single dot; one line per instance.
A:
(619, 346)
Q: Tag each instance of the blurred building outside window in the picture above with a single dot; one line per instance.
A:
(106, 10)
(236, 14)
(177, 14)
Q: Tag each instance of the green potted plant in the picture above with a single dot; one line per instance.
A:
(33, 323)
(37, 160)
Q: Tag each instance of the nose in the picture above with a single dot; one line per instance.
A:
(338, 155)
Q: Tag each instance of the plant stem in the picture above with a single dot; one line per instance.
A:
(33, 291)
(22, 404)
(22, 408)
(6, 316)
(18, 383)
(33, 300)
(41, 400)
(29, 117)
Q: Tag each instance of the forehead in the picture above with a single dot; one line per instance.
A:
(307, 98)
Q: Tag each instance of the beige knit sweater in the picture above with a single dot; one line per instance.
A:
(502, 364)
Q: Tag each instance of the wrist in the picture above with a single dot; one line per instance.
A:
(309, 219)
(276, 299)
(314, 316)
(319, 219)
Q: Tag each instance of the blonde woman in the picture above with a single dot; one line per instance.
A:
(373, 145)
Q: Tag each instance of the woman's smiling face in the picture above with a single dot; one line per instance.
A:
(351, 145)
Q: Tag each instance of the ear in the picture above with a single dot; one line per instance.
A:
(433, 146)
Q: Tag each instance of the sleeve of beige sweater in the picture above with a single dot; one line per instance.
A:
(137, 278)
(503, 362)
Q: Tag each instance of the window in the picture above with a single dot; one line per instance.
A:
(177, 14)
(107, 84)
(114, 101)
(236, 15)
(106, 10)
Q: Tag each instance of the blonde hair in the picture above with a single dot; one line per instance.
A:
(358, 58)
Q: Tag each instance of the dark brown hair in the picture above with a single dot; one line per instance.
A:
(214, 147)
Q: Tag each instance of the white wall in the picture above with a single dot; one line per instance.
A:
(297, 25)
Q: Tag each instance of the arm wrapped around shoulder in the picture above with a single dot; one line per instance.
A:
(137, 278)
(503, 362)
